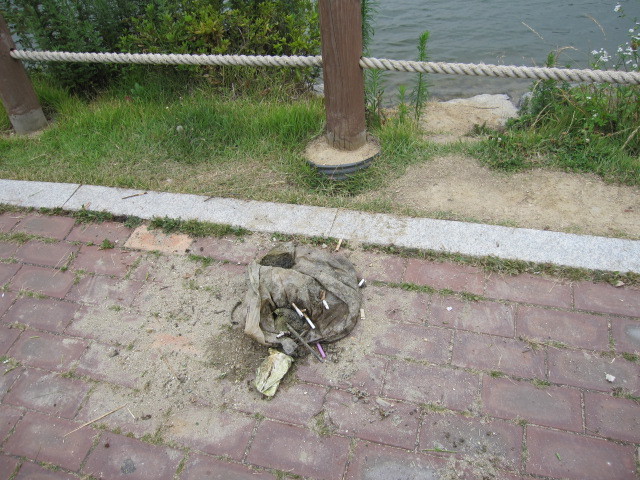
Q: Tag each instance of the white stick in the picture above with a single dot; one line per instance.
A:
(298, 311)
(309, 322)
(326, 305)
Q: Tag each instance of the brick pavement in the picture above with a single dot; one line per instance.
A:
(484, 377)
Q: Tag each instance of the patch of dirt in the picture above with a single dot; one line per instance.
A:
(459, 187)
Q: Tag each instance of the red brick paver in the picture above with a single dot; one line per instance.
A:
(44, 314)
(44, 350)
(46, 254)
(511, 386)
(46, 281)
(601, 297)
(530, 289)
(299, 451)
(565, 455)
(448, 276)
(47, 393)
(549, 406)
(572, 328)
(454, 389)
(97, 232)
(48, 439)
(616, 418)
(201, 467)
(117, 456)
(488, 352)
(45, 226)
(8, 221)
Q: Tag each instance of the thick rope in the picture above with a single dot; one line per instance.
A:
(504, 71)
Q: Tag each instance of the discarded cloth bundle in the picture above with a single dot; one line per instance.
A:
(311, 280)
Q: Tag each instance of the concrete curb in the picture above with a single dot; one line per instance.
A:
(581, 251)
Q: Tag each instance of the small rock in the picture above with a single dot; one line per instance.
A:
(619, 283)
(179, 128)
(610, 378)
(113, 352)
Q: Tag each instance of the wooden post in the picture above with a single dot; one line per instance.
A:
(341, 33)
(16, 90)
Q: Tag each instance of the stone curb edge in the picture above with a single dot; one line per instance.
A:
(579, 251)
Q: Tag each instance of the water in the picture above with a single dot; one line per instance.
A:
(493, 31)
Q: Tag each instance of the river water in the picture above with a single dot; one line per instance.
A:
(509, 32)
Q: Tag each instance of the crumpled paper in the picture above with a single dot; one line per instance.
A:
(271, 371)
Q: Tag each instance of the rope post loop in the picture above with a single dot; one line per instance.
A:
(341, 35)
(16, 91)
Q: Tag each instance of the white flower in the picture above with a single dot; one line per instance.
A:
(617, 8)
(594, 52)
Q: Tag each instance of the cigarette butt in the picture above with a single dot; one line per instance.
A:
(362, 313)
(298, 311)
(326, 305)
(362, 282)
(309, 322)
(281, 334)
(324, 355)
(339, 245)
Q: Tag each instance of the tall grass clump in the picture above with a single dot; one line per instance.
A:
(585, 128)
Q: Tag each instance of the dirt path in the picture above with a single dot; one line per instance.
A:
(460, 187)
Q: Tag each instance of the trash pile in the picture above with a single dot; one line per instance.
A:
(297, 299)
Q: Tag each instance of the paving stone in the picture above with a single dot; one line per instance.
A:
(236, 250)
(8, 221)
(8, 376)
(372, 418)
(368, 376)
(127, 368)
(500, 440)
(382, 304)
(588, 370)
(47, 393)
(8, 335)
(32, 471)
(6, 300)
(117, 456)
(44, 350)
(572, 328)
(379, 267)
(114, 326)
(530, 289)
(617, 418)
(7, 271)
(8, 465)
(417, 342)
(144, 238)
(459, 278)
(97, 232)
(98, 290)
(49, 440)
(298, 451)
(626, 334)
(46, 254)
(210, 430)
(484, 317)
(549, 406)
(604, 298)
(9, 416)
(377, 462)
(565, 455)
(47, 281)
(45, 226)
(7, 249)
(296, 404)
(201, 467)
(42, 313)
(112, 261)
(148, 412)
(488, 352)
(454, 389)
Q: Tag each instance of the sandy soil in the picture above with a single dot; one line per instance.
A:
(460, 187)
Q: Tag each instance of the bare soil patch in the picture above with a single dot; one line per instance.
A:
(460, 187)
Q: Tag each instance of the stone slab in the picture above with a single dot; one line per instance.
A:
(35, 194)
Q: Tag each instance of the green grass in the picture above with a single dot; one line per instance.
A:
(189, 139)
(195, 228)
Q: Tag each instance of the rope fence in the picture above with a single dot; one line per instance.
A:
(479, 70)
